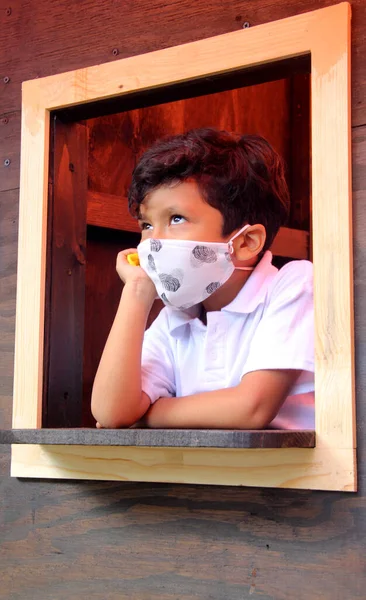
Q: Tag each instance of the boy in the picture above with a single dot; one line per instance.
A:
(233, 348)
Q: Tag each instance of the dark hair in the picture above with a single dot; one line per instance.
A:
(240, 175)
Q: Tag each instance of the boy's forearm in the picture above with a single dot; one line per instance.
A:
(116, 395)
(252, 404)
(220, 409)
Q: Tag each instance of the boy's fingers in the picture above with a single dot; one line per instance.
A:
(98, 426)
(127, 251)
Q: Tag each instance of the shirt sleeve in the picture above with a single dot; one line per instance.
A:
(157, 361)
(284, 338)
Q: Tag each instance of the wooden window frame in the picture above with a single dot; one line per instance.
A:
(331, 464)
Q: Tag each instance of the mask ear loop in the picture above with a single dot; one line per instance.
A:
(231, 248)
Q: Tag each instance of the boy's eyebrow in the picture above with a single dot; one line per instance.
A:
(172, 210)
(169, 210)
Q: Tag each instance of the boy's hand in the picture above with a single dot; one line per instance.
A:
(131, 274)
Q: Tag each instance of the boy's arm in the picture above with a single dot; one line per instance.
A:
(117, 399)
(250, 405)
(284, 338)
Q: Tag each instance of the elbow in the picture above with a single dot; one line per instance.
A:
(116, 414)
(259, 415)
(112, 419)
(260, 421)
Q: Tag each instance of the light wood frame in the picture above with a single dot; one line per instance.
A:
(325, 34)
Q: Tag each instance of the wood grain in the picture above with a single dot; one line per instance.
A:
(332, 238)
(110, 211)
(300, 153)
(139, 29)
(330, 137)
(9, 150)
(117, 141)
(290, 37)
(144, 541)
(300, 468)
(161, 438)
(8, 252)
(64, 317)
(31, 268)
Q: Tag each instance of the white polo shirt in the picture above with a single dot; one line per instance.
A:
(268, 325)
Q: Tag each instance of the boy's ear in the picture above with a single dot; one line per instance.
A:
(249, 243)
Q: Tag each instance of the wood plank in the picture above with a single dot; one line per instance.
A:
(229, 52)
(291, 37)
(31, 270)
(161, 438)
(301, 468)
(162, 25)
(291, 243)
(8, 252)
(258, 75)
(70, 539)
(300, 153)
(111, 211)
(64, 335)
(108, 210)
(117, 141)
(333, 238)
(9, 150)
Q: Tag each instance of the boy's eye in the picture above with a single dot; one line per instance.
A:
(145, 226)
(177, 219)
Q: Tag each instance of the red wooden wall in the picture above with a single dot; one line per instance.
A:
(151, 541)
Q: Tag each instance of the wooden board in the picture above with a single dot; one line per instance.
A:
(117, 141)
(65, 300)
(301, 468)
(182, 438)
(142, 27)
(334, 377)
(9, 150)
(110, 211)
(145, 541)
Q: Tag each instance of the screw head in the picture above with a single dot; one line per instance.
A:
(6, 79)
(115, 52)
(5, 121)
(7, 162)
(246, 24)
(8, 12)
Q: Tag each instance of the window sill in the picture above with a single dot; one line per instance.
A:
(186, 438)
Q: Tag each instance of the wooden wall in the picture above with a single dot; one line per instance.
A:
(143, 541)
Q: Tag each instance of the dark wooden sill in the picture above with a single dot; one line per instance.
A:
(183, 438)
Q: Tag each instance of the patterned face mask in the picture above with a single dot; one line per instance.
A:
(186, 272)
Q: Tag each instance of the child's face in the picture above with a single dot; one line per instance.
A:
(180, 212)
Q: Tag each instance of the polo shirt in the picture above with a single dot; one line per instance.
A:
(268, 325)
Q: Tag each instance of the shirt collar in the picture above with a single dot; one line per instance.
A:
(252, 294)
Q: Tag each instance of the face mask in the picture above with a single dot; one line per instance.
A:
(186, 272)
